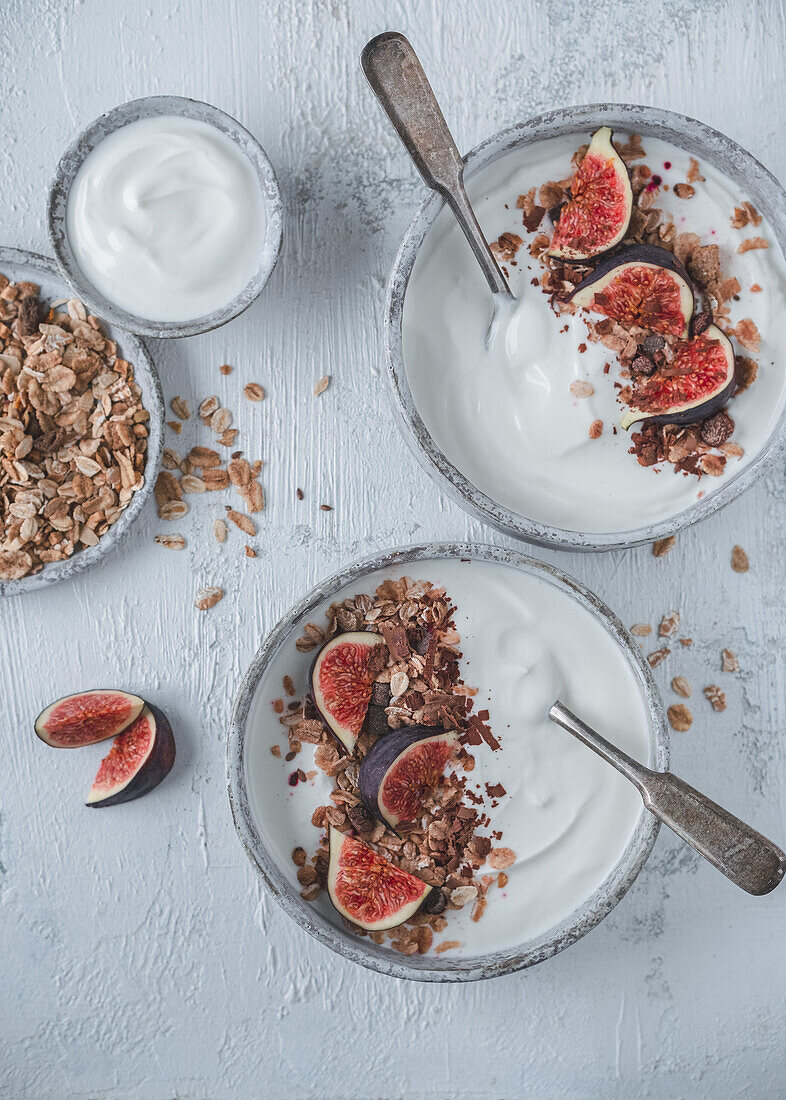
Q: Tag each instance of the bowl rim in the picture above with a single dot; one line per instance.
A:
(362, 951)
(92, 135)
(145, 373)
(681, 130)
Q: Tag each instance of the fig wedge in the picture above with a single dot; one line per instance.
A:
(87, 717)
(367, 889)
(401, 768)
(139, 759)
(341, 678)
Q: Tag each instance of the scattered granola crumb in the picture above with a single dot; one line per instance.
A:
(687, 642)
(658, 656)
(208, 597)
(322, 385)
(175, 425)
(326, 507)
(662, 546)
(500, 858)
(684, 190)
(254, 392)
(729, 661)
(751, 243)
(680, 717)
(669, 624)
(225, 368)
(180, 408)
(693, 175)
(716, 697)
(250, 552)
(299, 856)
(641, 630)
(171, 542)
(446, 945)
(596, 429)
(680, 686)
(739, 560)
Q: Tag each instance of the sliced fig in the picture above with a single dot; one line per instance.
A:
(139, 759)
(697, 383)
(643, 285)
(367, 889)
(341, 679)
(401, 768)
(597, 215)
(88, 717)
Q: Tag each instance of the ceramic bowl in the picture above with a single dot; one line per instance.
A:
(700, 140)
(71, 162)
(18, 265)
(248, 748)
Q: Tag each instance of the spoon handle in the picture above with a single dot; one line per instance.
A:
(742, 854)
(397, 79)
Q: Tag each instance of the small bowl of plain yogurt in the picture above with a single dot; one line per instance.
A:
(165, 217)
(526, 432)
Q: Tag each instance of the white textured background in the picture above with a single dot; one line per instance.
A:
(139, 956)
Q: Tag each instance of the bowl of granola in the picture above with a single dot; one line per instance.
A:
(81, 428)
(487, 859)
(637, 386)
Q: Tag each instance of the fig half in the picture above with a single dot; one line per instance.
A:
(139, 759)
(88, 717)
(696, 384)
(597, 215)
(401, 768)
(643, 285)
(341, 679)
(367, 889)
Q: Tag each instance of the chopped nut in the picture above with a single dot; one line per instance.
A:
(716, 697)
(681, 686)
(680, 717)
(322, 385)
(208, 597)
(739, 560)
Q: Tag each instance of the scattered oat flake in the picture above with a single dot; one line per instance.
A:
(658, 656)
(752, 243)
(739, 560)
(322, 385)
(680, 717)
(254, 392)
(208, 407)
(208, 597)
(596, 429)
(581, 389)
(716, 697)
(669, 624)
(681, 686)
(180, 408)
(220, 530)
(641, 630)
(220, 421)
(171, 542)
(245, 523)
(729, 661)
(662, 546)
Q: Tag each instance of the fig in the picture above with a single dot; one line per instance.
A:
(88, 717)
(401, 768)
(341, 681)
(139, 759)
(696, 384)
(643, 285)
(367, 889)
(597, 215)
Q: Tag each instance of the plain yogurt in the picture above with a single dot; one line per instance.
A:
(166, 218)
(566, 814)
(505, 415)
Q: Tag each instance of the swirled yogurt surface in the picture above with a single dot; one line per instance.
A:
(167, 219)
(566, 814)
(506, 417)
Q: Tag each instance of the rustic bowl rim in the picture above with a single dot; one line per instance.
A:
(362, 951)
(92, 135)
(31, 265)
(688, 133)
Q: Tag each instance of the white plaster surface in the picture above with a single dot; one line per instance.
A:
(140, 957)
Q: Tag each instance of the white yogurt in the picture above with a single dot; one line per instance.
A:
(505, 417)
(566, 814)
(167, 218)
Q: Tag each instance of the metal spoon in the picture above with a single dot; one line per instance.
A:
(746, 857)
(397, 79)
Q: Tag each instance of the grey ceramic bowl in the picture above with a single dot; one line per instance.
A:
(70, 163)
(19, 265)
(362, 950)
(704, 142)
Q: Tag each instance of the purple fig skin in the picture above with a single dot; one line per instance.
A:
(155, 768)
(382, 754)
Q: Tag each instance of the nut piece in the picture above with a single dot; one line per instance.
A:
(254, 392)
(662, 546)
(208, 597)
(715, 696)
(739, 560)
(322, 385)
(680, 717)
(681, 686)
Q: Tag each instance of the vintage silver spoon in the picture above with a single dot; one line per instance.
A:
(749, 859)
(397, 79)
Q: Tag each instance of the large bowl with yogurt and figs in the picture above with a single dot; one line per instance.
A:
(577, 425)
(166, 217)
(394, 777)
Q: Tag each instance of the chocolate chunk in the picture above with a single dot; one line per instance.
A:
(701, 322)
(436, 902)
(380, 694)
(642, 365)
(29, 316)
(359, 817)
(376, 721)
(396, 638)
(651, 344)
(419, 639)
(717, 429)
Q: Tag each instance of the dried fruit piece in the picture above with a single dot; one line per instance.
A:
(401, 768)
(696, 384)
(139, 759)
(87, 717)
(644, 285)
(341, 680)
(680, 717)
(597, 215)
(367, 889)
